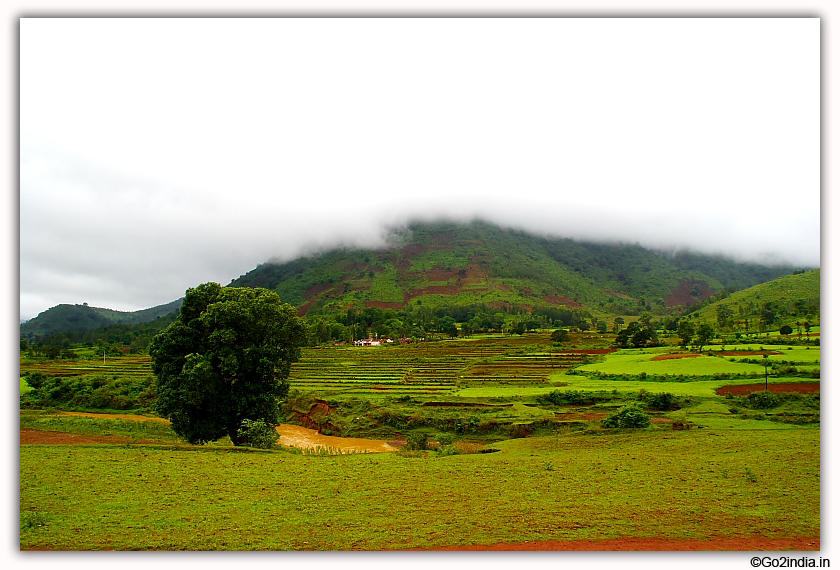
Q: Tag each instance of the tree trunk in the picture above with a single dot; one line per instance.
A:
(233, 430)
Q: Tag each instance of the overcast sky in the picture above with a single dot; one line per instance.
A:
(159, 154)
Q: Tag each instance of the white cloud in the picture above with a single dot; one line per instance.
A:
(158, 154)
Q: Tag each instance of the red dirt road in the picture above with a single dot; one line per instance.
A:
(753, 544)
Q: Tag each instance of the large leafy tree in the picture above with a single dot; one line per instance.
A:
(225, 359)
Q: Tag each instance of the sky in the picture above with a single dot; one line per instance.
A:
(157, 154)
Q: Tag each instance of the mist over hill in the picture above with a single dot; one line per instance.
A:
(480, 263)
(468, 264)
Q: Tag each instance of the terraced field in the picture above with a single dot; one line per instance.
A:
(135, 365)
(429, 368)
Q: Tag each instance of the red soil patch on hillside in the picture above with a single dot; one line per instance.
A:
(442, 274)
(744, 389)
(682, 294)
(316, 290)
(434, 290)
(676, 356)
(747, 352)
(557, 300)
(415, 249)
(444, 239)
(302, 310)
(30, 436)
(383, 305)
(752, 544)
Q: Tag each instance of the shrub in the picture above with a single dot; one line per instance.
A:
(259, 434)
(445, 439)
(573, 397)
(662, 401)
(417, 442)
(762, 400)
(35, 380)
(629, 417)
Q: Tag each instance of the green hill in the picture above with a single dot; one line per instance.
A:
(81, 318)
(783, 301)
(479, 263)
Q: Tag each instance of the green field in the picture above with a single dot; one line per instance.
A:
(558, 474)
(696, 484)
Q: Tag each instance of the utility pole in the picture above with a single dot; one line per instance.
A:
(766, 381)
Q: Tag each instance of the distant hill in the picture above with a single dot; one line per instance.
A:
(81, 318)
(479, 263)
(783, 301)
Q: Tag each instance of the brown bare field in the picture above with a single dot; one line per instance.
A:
(744, 389)
(37, 437)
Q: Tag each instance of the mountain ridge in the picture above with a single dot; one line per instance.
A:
(482, 263)
(475, 263)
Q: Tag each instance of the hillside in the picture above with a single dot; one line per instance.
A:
(783, 301)
(478, 263)
(81, 318)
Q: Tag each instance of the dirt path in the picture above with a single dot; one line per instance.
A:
(754, 544)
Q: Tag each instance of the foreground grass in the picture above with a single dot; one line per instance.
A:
(653, 483)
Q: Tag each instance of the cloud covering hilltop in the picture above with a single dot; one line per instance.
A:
(149, 167)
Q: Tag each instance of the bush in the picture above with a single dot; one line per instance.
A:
(258, 433)
(762, 400)
(663, 401)
(417, 442)
(35, 380)
(629, 417)
(445, 439)
(572, 397)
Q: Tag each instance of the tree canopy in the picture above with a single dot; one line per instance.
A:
(225, 359)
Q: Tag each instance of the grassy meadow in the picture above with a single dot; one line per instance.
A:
(529, 460)
(684, 485)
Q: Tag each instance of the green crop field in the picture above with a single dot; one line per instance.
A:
(740, 471)
(631, 362)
